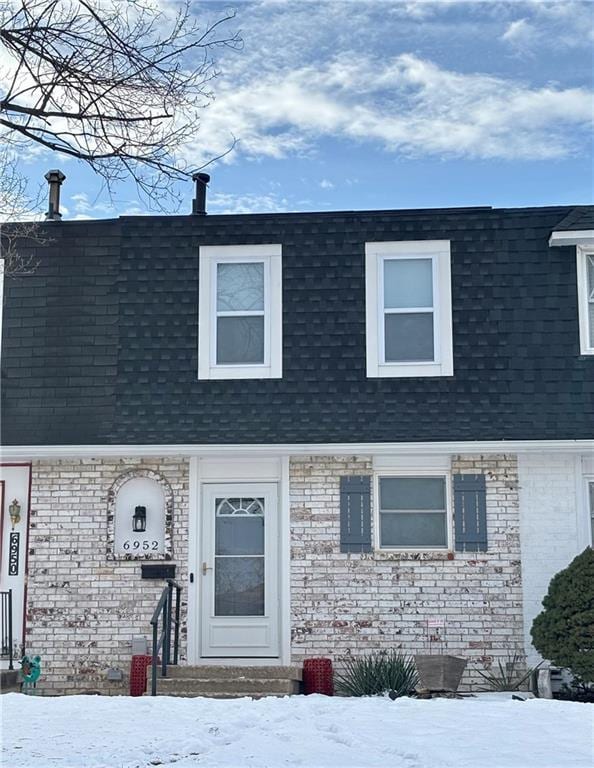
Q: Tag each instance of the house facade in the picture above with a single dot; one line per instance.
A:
(341, 432)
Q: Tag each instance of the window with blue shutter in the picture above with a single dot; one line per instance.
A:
(412, 512)
(355, 513)
(470, 513)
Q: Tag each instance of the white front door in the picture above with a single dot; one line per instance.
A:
(239, 570)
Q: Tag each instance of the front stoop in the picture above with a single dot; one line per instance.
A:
(219, 682)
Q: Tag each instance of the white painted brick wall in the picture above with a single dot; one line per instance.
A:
(549, 527)
(82, 609)
(353, 603)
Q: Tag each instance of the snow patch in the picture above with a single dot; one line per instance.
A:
(309, 732)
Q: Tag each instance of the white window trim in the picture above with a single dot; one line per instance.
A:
(589, 513)
(586, 343)
(570, 237)
(412, 472)
(439, 252)
(271, 256)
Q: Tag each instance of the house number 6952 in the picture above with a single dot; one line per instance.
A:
(141, 544)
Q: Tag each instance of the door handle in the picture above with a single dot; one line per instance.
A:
(205, 568)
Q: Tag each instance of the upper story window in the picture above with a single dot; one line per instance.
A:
(583, 240)
(240, 312)
(585, 270)
(408, 308)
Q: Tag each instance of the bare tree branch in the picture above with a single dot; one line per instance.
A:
(18, 238)
(118, 84)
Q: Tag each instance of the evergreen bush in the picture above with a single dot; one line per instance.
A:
(564, 632)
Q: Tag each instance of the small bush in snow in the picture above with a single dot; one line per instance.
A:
(376, 673)
(564, 632)
(507, 676)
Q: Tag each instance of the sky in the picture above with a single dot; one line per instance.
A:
(381, 105)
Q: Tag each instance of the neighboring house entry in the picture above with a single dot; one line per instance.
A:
(239, 571)
(15, 492)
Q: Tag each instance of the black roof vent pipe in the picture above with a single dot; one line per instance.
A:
(54, 180)
(199, 202)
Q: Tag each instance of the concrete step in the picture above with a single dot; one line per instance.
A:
(244, 685)
(218, 694)
(228, 682)
(232, 673)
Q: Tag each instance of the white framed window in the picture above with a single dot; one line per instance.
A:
(240, 312)
(408, 308)
(413, 511)
(585, 273)
(590, 507)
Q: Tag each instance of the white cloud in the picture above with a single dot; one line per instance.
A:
(565, 24)
(81, 202)
(87, 209)
(519, 33)
(249, 203)
(411, 78)
(407, 104)
(84, 208)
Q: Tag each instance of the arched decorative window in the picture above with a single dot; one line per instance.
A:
(140, 517)
(240, 506)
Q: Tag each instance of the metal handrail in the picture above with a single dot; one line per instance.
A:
(162, 642)
(6, 628)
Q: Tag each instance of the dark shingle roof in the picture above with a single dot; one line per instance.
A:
(100, 345)
(579, 218)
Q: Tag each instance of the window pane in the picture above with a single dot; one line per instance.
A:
(409, 337)
(417, 529)
(240, 339)
(412, 493)
(240, 535)
(408, 283)
(239, 586)
(590, 290)
(240, 287)
(246, 505)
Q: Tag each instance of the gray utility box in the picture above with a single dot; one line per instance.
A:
(139, 645)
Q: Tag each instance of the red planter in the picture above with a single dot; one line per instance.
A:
(138, 667)
(318, 676)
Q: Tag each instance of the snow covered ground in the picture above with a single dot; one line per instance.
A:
(309, 732)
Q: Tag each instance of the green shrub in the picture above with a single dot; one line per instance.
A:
(382, 672)
(564, 632)
(507, 676)
(576, 691)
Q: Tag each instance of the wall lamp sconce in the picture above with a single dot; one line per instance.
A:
(14, 511)
(139, 520)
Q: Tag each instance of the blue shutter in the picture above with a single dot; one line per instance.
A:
(355, 513)
(470, 513)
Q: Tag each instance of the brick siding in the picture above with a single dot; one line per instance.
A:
(84, 609)
(352, 603)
